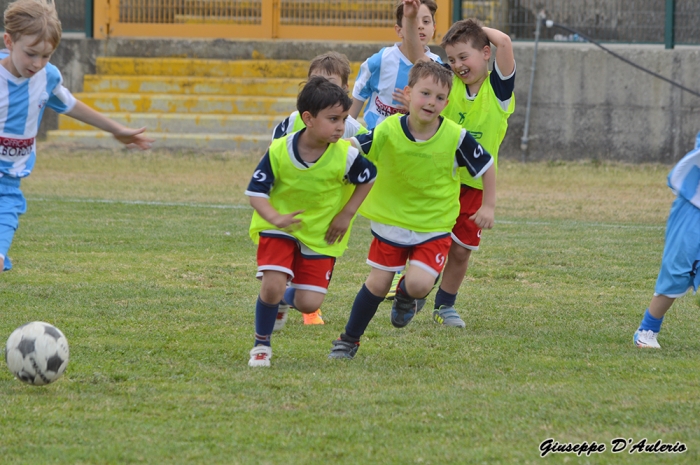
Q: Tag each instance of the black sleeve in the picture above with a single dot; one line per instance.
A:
(281, 129)
(472, 155)
(365, 141)
(361, 171)
(503, 88)
(263, 178)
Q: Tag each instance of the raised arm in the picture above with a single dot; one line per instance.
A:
(127, 136)
(412, 48)
(504, 50)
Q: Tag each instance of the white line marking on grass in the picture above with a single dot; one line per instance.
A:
(579, 223)
(144, 202)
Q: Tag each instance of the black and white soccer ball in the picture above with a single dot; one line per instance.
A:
(37, 353)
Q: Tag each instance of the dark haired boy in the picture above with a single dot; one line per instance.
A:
(305, 192)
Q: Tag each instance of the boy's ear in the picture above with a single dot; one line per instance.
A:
(397, 28)
(487, 52)
(307, 118)
(8, 41)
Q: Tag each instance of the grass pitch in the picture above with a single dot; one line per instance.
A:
(144, 262)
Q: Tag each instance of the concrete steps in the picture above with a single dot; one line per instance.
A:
(189, 103)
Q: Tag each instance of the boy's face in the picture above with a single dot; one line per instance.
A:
(426, 25)
(328, 125)
(334, 78)
(26, 57)
(467, 62)
(426, 99)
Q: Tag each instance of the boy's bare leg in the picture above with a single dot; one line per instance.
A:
(659, 305)
(379, 281)
(455, 269)
(307, 301)
(273, 286)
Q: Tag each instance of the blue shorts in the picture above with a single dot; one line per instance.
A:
(680, 265)
(12, 205)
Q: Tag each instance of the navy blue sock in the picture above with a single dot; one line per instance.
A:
(289, 296)
(363, 310)
(651, 323)
(265, 316)
(444, 298)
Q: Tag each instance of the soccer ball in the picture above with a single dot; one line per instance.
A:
(37, 353)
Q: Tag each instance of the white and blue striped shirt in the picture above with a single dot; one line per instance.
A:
(379, 76)
(22, 104)
(684, 178)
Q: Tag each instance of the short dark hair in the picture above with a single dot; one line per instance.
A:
(432, 6)
(468, 31)
(332, 63)
(320, 93)
(424, 69)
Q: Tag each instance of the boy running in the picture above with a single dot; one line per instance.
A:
(28, 84)
(680, 265)
(305, 192)
(481, 102)
(415, 200)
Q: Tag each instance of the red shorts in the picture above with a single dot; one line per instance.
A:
(430, 256)
(306, 271)
(465, 232)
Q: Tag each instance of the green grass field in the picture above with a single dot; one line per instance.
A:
(144, 262)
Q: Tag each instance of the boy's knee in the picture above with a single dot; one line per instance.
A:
(419, 289)
(458, 253)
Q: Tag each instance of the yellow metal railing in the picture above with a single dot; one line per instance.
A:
(360, 20)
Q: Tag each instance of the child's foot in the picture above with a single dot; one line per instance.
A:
(260, 356)
(281, 317)
(646, 339)
(448, 316)
(314, 318)
(403, 309)
(392, 290)
(343, 349)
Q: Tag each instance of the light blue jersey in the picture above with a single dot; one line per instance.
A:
(684, 178)
(22, 104)
(379, 76)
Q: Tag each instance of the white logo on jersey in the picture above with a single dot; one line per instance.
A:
(328, 275)
(478, 151)
(440, 259)
(364, 176)
(478, 234)
(259, 176)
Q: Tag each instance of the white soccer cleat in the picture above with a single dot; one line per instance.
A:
(646, 339)
(260, 356)
(281, 317)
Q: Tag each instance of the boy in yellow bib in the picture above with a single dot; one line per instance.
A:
(415, 200)
(335, 67)
(305, 192)
(481, 102)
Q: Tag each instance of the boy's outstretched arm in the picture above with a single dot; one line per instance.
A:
(484, 217)
(127, 136)
(412, 47)
(268, 213)
(504, 50)
(341, 222)
(356, 107)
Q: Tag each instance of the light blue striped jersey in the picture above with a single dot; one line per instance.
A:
(22, 104)
(684, 178)
(379, 75)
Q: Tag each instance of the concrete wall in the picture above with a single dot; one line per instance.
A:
(585, 104)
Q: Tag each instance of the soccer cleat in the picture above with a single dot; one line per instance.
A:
(646, 339)
(260, 356)
(448, 316)
(403, 309)
(420, 303)
(314, 318)
(394, 283)
(281, 317)
(343, 349)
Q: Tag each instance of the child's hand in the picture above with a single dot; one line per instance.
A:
(133, 138)
(399, 96)
(410, 8)
(339, 226)
(484, 217)
(285, 221)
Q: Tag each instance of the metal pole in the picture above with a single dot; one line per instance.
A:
(670, 24)
(456, 10)
(89, 19)
(524, 140)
